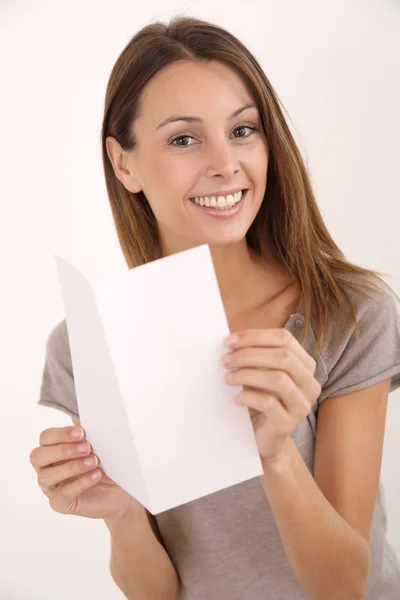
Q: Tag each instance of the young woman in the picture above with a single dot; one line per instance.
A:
(196, 150)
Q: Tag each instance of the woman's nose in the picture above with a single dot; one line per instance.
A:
(221, 160)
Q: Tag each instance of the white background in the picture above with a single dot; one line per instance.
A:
(336, 69)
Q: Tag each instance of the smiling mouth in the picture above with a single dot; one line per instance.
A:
(220, 202)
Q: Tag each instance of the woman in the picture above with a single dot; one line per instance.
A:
(196, 150)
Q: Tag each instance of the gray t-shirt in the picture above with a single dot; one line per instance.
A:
(226, 546)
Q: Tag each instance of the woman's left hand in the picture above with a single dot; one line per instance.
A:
(279, 387)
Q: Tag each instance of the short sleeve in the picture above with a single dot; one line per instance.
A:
(374, 357)
(58, 386)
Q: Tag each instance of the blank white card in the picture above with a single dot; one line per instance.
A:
(146, 348)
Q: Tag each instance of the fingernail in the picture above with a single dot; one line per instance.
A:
(227, 359)
(83, 447)
(77, 433)
(231, 340)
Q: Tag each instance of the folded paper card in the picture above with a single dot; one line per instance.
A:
(146, 348)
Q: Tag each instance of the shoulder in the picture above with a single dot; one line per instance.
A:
(367, 292)
(57, 346)
(372, 302)
(58, 336)
(359, 356)
(58, 384)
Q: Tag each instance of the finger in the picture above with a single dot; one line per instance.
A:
(71, 490)
(53, 476)
(282, 359)
(58, 435)
(272, 338)
(280, 420)
(276, 382)
(44, 456)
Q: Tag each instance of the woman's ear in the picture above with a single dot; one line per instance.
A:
(122, 165)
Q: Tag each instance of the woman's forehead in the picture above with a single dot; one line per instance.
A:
(192, 88)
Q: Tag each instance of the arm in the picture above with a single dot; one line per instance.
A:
(139, 564)
(324, 522)
(328, 557)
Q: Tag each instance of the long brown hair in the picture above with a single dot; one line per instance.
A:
(288, 227)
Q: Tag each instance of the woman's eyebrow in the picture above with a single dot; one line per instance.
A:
(190, 119)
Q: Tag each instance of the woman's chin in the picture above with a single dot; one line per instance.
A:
(223, 239)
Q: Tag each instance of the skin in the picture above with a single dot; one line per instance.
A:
(220, 154)
(170, 165)
(277, 374)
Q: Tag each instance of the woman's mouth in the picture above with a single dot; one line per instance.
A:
(221, 207)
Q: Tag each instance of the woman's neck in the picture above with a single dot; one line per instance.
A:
(245, 280)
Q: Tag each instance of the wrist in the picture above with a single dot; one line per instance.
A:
(135, 513)
(281, 460)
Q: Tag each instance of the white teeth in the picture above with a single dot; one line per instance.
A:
(221, 202)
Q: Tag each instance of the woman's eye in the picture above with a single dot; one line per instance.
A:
(181, 137)
(251, 128)
(245, 127)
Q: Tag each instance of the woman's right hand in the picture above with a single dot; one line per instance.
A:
(68, 482)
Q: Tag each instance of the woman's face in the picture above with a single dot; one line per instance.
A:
(208, 155)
